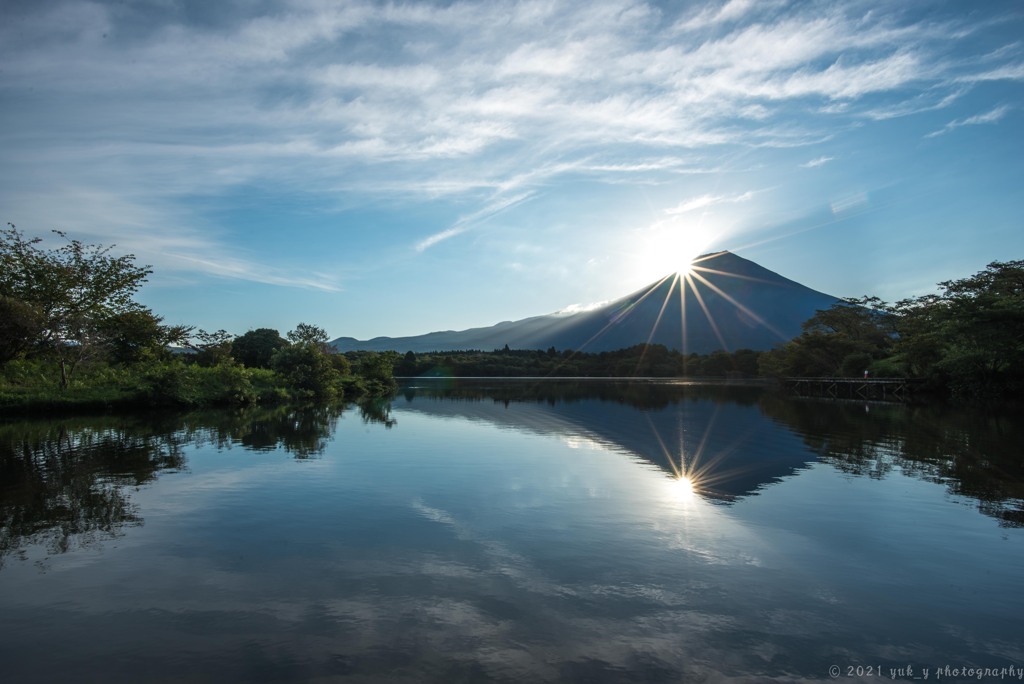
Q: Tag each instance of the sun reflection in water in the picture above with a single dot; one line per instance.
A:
(684, 489)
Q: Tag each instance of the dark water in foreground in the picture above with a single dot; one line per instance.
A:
(516, 532)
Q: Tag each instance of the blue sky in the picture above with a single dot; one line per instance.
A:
(397, 168)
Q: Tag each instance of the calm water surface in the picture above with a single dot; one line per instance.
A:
(475, 532)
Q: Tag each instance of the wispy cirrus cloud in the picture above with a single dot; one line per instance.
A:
(729, 11)
(989, 117)
(816, 162)
(163, 237)
(926, 102)
(1004, 72)
(705, 201)
(242, 269)
(467, 222)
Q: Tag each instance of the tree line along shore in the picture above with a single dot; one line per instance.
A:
(72, 336)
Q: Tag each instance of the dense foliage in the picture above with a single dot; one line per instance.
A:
(73, 302)
(72, 334)
(968, 340)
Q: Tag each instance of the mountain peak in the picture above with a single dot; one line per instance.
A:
(724, 302)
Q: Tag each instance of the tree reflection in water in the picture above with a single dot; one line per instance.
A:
(64, 484)
(377, 410)
(973, 452)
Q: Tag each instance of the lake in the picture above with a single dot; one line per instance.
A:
(479, 531)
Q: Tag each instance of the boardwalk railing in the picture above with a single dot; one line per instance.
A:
(880, 389)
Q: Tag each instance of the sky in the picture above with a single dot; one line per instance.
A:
(396, 168)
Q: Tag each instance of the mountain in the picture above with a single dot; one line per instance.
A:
(726, 301)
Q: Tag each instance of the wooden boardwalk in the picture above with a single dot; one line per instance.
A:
(881, 389)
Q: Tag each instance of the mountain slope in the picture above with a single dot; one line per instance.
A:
(726, 302)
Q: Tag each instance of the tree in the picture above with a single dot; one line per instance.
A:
(20, 325)
(309, 365)
(308, 372)
(407, 366)
(843, 340)
(212, 348)
(745, 361)
(75, 289)
(985, 317)
(255, 348)
(341, 364)
(132, 335)
(308, 334)
(970, 337)
(863, 326)
(378, 368)
(919, 345)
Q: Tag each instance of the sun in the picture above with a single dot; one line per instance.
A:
(670, 247)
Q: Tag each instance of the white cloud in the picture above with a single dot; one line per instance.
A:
(992, 116)
(988, 117)
(432, 240)
(730, 11)
(581, 308)
(814, 163)
(1007, 72)
(240, 269)
(468, 221)
(694, 204)
(704, 201)
(162, 237)
(916, 105)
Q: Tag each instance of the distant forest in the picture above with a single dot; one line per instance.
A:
(655, 361)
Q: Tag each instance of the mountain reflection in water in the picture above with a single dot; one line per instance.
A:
(706, 433)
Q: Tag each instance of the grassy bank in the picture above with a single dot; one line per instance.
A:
(34, 387)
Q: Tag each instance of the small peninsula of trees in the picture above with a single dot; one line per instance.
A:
(72, 334)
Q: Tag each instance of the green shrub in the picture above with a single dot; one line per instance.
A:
(307, 372)
(226, 383)
(172, 383)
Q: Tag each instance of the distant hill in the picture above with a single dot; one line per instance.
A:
(727, 302)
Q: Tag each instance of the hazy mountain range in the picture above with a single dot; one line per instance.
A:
(725, 302)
